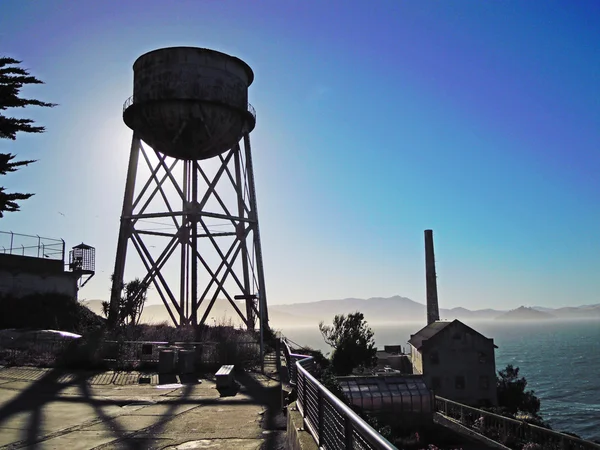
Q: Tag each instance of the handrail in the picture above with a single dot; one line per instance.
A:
(330, 421)
(489, 424)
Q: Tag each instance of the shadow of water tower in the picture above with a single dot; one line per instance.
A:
(189, 209)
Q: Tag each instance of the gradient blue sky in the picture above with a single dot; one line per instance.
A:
(376, 120)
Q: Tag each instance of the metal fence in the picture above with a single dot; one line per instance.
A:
(510, 432)
(208, 353)
(33, 246)
(39, 352)
(330, 421)
(123, 354)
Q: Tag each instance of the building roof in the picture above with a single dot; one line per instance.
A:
(417, 340)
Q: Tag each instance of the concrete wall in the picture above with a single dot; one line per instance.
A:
(463, 354)
(297, 438)
(23, 284)
(416, 360)
(23, 275)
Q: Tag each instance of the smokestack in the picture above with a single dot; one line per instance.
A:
(433, 310)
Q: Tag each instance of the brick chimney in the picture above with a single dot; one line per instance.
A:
(433, 310)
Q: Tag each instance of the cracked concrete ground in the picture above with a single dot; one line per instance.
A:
(53, 410)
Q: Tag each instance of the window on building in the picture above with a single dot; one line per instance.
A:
(484, 382)
(436, 383)
(434, 357)
(459, 382)
(482, 358)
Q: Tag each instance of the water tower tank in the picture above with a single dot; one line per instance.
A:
(190, 103)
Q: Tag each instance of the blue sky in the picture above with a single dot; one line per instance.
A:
(376, 120)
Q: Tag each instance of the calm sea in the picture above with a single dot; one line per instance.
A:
(560, 359)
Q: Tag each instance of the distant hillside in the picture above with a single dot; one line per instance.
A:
(222, 312)
(376, 310)
(524, 313)
(574, 312)
(379, 310)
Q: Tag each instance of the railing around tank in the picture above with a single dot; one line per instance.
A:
(332, 423)
(509, 431)
(130, 101)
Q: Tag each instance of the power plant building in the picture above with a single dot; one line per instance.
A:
(456, 361)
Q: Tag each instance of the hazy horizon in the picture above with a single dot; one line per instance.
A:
(375, 121)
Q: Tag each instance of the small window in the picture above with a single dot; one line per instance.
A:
(459, 382)
(434, 357)
(482, 358)
(484, 382)
(436, 383)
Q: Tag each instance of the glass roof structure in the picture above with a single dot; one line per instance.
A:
(388, 393)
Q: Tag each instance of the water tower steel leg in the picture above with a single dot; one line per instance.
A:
(241, 223)
(194, 230)
(183, 245)
(124, 232)
(257, 244)
(242, 237)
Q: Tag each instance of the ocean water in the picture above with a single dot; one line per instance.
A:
(559, 359)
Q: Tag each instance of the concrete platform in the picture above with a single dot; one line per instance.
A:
(47, 409)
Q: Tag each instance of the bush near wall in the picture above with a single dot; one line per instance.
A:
(49, 312)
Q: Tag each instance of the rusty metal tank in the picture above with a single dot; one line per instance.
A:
(190, 103)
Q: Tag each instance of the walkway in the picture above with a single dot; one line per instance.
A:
(52, 409)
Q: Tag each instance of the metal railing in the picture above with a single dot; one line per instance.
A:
(330, 421)
(207, 352)
(51, 352)
(510, 432)
(33, 246)
(130, 101)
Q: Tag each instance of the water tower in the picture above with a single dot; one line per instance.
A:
(189, 209)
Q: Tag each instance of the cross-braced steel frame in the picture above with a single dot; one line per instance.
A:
(211, 218)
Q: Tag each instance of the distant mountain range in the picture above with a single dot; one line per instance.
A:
(375, 310)
(523, 313)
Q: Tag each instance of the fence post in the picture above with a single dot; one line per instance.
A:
(304, 389)
(321, 425)
(278, 355)
(348, 432)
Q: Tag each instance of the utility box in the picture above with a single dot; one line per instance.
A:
(186, 361)
(166, 361)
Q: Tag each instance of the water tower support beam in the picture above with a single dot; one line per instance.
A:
(241, 230)
(264, 319)
(150, 278)
(124, 232)
(214, 227)
(194, 230)
(146, 257)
